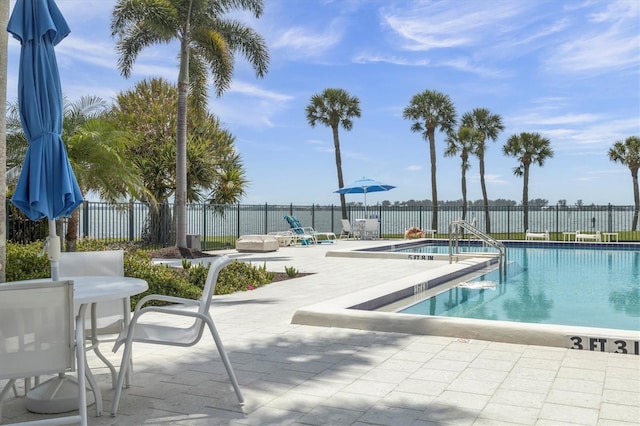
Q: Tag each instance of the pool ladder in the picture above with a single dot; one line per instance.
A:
(455, 229)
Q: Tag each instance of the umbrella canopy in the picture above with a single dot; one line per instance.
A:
(47, 186)
(364, 186)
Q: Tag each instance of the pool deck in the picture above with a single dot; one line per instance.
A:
(293, 374)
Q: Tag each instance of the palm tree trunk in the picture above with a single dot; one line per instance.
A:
(181, 150)
(434, 189)
(71, 237)
(336, 145)
(464, 194)
(485, 198)
(525, 197)
(636, 198)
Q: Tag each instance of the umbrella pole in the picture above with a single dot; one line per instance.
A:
(366, 216)
(53, 250)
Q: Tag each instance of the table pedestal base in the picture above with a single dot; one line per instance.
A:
(56, 395)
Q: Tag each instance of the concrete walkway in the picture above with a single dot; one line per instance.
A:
(304, 375)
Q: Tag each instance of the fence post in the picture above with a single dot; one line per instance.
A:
(609, 219)
(85, 219)
(204, 225)
(508, 222)
(131, 218)
(266, 214)
(238, 221)
(558, 222)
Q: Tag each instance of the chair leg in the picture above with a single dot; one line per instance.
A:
(225, 360)
(126, 360)
(11, 384)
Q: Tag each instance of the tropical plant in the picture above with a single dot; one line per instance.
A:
(627, 153)
(488, 125)
(334, 108)
(431, 111)
(464, 143)
(208, 43)
(214, 166)
(96, 152)
(528, 149)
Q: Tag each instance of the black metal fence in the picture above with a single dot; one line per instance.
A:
(218, 226)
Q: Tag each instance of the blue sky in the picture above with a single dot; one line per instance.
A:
(569, 70)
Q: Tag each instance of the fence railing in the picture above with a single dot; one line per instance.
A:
(218, 226)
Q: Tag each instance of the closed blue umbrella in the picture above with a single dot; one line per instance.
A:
(364, 186)
(47, 186)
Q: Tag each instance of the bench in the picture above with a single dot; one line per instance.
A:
(257, 243)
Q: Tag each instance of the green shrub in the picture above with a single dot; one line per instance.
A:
(25, 263)
(90, 244)
(162, 279)
(240, 276)
(197, 275)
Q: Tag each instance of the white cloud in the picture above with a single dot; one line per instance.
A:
(430, 25)
(304, 42)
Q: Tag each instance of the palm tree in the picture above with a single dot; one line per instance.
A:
(431, 110)
(334, 108)
(208, 43)
(527, 148)
(465, 142)
(628, 153)
(489, 126)
(4, 42)
(95, 150)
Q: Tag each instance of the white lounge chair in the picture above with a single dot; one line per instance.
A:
(40, 335)
(597, 236)
(537, 235)
(170, 333)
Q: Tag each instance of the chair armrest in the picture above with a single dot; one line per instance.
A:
(170, 311)
(163, 298)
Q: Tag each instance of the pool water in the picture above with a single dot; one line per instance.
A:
(566, 286)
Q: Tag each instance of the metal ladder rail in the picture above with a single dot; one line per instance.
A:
(454, 228)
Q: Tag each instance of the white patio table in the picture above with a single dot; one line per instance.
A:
(60, 397)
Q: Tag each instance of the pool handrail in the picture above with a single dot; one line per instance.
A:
(454, 233)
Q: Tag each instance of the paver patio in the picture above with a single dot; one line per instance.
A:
(303, 375)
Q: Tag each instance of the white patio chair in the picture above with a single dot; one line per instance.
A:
(169, 334)
(110, 317)
(371, 229)
(347, 231)
(37, 337)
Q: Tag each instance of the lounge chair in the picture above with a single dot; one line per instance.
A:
(537, 235)
(308, 234)
(588, 237)
(304, 234)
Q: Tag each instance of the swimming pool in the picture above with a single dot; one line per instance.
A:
(364, 309)
(566, 286)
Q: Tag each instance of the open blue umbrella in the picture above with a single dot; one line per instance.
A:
(47, 186)
(364, 186)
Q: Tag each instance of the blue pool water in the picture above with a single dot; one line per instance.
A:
(588, 287)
